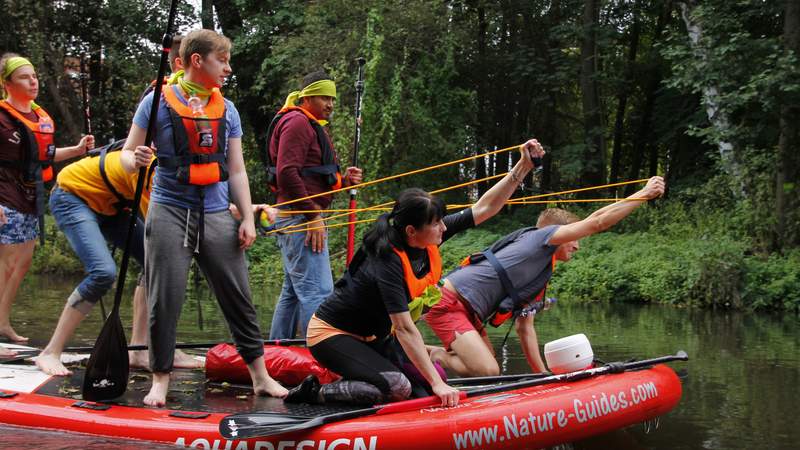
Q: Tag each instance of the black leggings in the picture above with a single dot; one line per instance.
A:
(368, 377)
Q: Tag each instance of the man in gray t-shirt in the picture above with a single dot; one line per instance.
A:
(472, 294)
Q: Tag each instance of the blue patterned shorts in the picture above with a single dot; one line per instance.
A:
(19, 227)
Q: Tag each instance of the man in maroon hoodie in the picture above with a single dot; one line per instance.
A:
(302, 163)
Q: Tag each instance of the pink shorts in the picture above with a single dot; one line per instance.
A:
(451, 316)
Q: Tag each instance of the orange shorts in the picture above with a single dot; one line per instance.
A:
(451, 316)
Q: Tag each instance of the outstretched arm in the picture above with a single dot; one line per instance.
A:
(493, 200)
(607, 216)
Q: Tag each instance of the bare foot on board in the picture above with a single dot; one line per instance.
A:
(50, 363)
(184, 361)
(140, 359)
(6, 352)
(9, 332)
(270, 387)
(158, 391)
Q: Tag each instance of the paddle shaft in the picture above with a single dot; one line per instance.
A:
(231, 429)
(451, 381)
(579, 375)
(166, 45)
(107, 370)
(495, 379)
(87, 116)
(351, 229)
(87, 126)
(191, 345)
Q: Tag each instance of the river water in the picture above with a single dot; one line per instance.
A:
(739, 387)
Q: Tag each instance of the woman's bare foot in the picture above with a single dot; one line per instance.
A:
(184, 361)
(158, 391)
(9, 332)
(139, 359)
(50, 363)
(6, 352)
(270, 387)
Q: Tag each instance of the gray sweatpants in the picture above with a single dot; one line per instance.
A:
(170, 240)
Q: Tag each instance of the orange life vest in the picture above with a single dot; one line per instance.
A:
(416, 286)
(40, 155)
(199, 142)
(329, 167)
(36, 166)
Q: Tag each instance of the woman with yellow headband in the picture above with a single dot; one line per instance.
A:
(26, 152)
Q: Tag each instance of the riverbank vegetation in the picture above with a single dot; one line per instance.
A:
(706, 94)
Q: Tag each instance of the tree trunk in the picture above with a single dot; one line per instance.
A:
(70, 127)
(786, 170)
(230, 21)
(711, 98)
(505, 109)
(651, 85)
(619, 122)
(481, 169)
(207, 14)
(594, 154)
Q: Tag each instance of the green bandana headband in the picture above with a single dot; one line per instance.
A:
(325, 88)
(13, 64)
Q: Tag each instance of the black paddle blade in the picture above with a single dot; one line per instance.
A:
(244, 426)
(262, 424)
(106, 375)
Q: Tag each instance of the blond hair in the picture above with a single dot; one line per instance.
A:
(203, 42)
(555, 216)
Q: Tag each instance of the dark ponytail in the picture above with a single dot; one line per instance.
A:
(413, 207)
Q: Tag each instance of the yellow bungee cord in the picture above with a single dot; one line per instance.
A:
(518, 201)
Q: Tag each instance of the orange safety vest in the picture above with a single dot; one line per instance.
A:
(417, 286)
(39, 156)
(199, 142)
(36, 166)
(329, 167)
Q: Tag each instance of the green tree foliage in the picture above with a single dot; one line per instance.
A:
(740, 56)
(120, 38)
(447, 79)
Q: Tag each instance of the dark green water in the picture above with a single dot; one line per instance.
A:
(740, 387)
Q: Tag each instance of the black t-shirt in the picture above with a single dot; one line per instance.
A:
(361, 303)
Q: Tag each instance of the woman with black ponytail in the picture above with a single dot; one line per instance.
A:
(379, 295)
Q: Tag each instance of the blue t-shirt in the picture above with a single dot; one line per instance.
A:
(166, 187)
